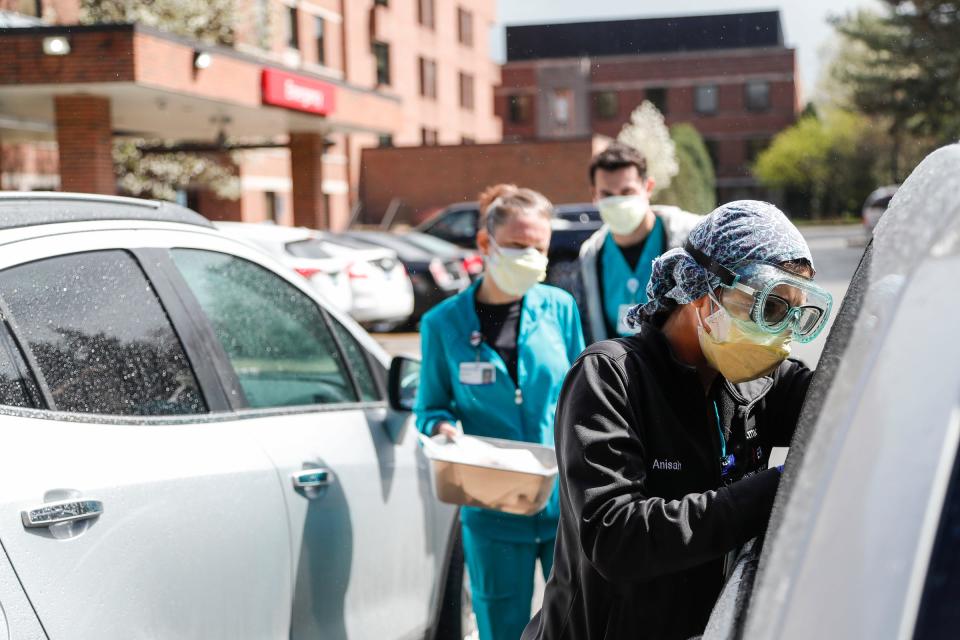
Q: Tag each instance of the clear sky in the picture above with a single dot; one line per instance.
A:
(804, 21)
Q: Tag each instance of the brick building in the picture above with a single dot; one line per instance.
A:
(304, 87)
(730, 76)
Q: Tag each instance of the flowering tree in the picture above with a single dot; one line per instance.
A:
(210, 21)
(161, 175)
(648, 133)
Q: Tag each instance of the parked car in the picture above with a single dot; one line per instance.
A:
(380, 292)
(328, 274)
(572, 226)
(196, 443)
(472, 261)
(434, 278)
(866, 526)
(875, 204)
(574, 223)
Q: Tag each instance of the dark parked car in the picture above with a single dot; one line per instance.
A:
(435, 278)
(472, 261)
(574, 223)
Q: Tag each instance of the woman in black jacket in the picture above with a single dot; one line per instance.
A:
(663, 437)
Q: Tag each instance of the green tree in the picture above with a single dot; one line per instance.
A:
(902, 67)
(694, 187)
(830, 161)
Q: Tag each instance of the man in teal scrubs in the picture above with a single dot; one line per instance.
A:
(494, 360)
(615, 262)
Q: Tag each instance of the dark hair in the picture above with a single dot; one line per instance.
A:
(618, 156)
(800, 267)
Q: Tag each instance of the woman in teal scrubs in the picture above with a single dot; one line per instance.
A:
(494, 359)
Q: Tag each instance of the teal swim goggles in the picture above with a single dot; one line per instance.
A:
(774, 299)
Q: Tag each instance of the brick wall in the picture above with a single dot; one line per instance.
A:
(731, 129)
(85, 142)
(428, 178)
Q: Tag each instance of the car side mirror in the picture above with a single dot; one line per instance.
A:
(403, 382)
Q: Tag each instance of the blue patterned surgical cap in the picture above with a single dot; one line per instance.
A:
(734, 233)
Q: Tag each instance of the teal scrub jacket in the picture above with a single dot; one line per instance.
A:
(550, 338)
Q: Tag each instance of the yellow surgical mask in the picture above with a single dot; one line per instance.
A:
(515, 271)
(738, 352)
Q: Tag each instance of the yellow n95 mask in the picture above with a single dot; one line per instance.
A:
(515, 271)
(623, 214)
(737, 350)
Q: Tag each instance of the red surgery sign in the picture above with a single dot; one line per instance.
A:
(284, 89)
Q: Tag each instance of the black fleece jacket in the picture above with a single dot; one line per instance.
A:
(645, 516)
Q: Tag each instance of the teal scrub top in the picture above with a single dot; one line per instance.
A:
(549, 339)
(623, 285)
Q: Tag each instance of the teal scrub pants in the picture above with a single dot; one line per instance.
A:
(501, 582)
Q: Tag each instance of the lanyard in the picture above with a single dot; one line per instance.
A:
(723, 439)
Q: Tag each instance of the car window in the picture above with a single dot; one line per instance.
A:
(359, 363)
(459, 224)
(75, 315)
(274, 335)
(310, 248)
(17, 386)
(939, 616)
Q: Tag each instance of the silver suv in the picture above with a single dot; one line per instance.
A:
(195, 445)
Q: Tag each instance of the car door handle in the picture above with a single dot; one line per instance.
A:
(312, 478)
(59, 512)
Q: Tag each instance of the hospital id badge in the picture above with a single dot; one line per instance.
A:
(474, 373)
(622, 327)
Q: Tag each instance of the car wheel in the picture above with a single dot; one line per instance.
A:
(457, 620)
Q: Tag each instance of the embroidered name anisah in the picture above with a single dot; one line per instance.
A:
(667, 465)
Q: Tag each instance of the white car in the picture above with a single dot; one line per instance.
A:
(865, 532)
(196, 445)
(370, 283)
(327, 274)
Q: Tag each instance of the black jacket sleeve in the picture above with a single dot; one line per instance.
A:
(784, 402)
(627, 534)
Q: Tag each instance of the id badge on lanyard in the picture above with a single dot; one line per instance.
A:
(477, 373)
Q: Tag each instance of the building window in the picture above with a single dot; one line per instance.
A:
(467, 140)
(757, 95)
(293, 29)
(705, 99)
(521, 109)
(561, 104)
(385, 141)
(713, 150)
(753, 147)
(465, 27)
(606, 105)
(319, 31)
(26, 7)
(274, 206)
(466, 90)
(425, 13)
(428, 78)
(428, 136)
(381, 3)
(658, 97)
(381, 51)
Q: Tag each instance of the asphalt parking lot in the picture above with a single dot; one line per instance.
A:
(836, 252)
